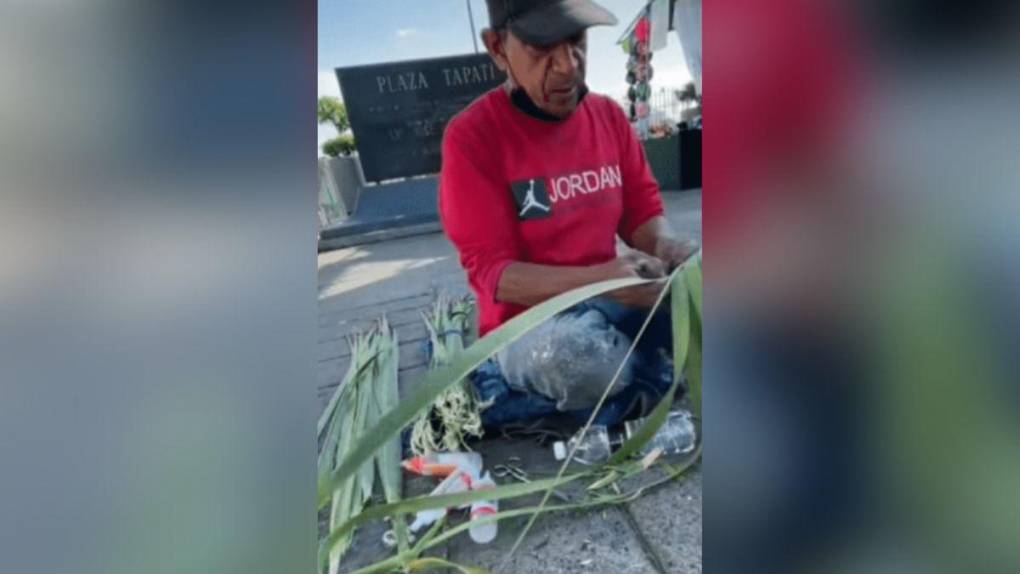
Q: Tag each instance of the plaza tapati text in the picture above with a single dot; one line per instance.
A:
(450, 77)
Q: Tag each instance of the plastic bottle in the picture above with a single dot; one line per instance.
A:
(675, 436)
(483, 533)
(444, 463)
(596, 446)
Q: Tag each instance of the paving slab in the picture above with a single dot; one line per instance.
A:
(669, 518)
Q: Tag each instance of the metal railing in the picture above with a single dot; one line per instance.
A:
(665, 106)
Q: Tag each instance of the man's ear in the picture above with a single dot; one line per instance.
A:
(494, 44)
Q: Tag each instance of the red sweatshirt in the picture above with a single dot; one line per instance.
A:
(516, 188)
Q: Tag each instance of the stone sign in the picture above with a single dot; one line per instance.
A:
(398, 110)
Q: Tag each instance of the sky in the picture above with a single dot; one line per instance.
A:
(355, 32)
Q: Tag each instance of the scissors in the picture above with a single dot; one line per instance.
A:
(512, 468)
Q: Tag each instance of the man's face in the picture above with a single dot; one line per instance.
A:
(551, 75)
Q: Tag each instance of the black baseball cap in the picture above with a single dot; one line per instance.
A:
(544, 22)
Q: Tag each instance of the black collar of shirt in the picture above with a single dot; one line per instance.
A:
(523, 102)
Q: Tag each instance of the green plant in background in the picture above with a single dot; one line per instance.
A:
(340, 145)
(684, 288)
(455, 414)
(330, 110)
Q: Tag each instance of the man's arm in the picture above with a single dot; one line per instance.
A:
(644, 225)
(530, 283)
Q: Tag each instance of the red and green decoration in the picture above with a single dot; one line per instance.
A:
(639, 66)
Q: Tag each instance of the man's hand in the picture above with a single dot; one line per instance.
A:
(656, 237)
(674, 252)
(636, 264)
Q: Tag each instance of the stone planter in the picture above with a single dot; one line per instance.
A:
(340, 184)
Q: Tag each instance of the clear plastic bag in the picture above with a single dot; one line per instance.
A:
(571, 359)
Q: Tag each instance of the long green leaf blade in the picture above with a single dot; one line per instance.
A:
(366, 415)
(680, 315)
(431, 564)
(387, 396)
(694, 282)
(681, 323)
(348, 496)
(693, 367)
(327, 414)
(343, 505)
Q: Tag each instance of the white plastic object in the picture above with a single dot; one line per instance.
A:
(444, 463)
(459, 481)
(559, 450)
(483, 533)
(426, 517)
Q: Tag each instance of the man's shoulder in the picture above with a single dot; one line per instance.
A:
(604, 105)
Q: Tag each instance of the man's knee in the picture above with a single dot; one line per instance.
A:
(571, 359)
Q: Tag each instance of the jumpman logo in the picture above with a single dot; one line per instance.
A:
(530, 201)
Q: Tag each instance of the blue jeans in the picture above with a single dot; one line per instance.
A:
(651, 374)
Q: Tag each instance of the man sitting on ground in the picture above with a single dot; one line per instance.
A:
(539, 177)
